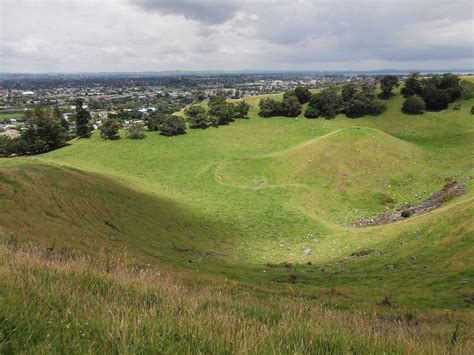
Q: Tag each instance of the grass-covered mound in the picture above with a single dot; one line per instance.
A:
(351, 168)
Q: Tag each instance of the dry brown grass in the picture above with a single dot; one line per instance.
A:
(54, 302)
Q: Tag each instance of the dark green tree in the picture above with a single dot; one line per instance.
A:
(436, 99)
(83, 120)
(60, 117)
(223, 112)
(291, 106)
(172, 125)
(387, 84)
(348, 91)
(242, 109)
(153, 121)
(303, 94)
(197, 117)
(412, 85)
(328, 102)
(42, 131)
(110, 129)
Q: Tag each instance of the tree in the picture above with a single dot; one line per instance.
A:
(110, 129)
(197, 117)
(387, 84)
(222, 112)
(200, 95)
(412, 85)
(368, 86)
(153, 121)
(436, 99)
(357, 106)
(303, 94)
(216, 100)
(291, 106)
(60, 117)
(242, 109)
(327, 102)
(267, 107)
(83, 118)
(348, 91)
(467, 89)
(361, 105)
(414, 105)
(42, 131)
(172, 125)
(135, 131)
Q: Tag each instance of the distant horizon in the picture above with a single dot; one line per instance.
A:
(243, 71)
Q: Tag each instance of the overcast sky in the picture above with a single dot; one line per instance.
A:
(154, 35)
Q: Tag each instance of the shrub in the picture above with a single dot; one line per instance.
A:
(414, 105)
(472, 110)
(135, 131)
(311, 112)
(110, 129)
(172, 125)
(406, 213)
(348, 91)
(376, 107)
(267, 107)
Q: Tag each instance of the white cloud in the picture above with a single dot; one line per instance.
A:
(142, 35)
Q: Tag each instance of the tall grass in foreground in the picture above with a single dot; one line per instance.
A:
(52, 302)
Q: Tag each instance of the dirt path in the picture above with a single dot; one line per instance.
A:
(450, 189)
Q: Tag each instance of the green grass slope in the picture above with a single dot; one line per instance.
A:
(62, 207)
(244, 203)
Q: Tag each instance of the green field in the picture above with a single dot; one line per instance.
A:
(226, 214)
(7, 116)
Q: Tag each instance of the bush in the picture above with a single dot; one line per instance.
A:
(110, 129)
(135, 131)
(172, 125)
(472, 110)
(311, 112)
(406, 213)
(414, 105)
(376, 107)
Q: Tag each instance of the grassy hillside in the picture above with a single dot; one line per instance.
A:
(241, 205)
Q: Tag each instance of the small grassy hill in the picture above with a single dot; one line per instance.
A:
(351, 168)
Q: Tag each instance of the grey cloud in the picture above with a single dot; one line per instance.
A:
(207, 11)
